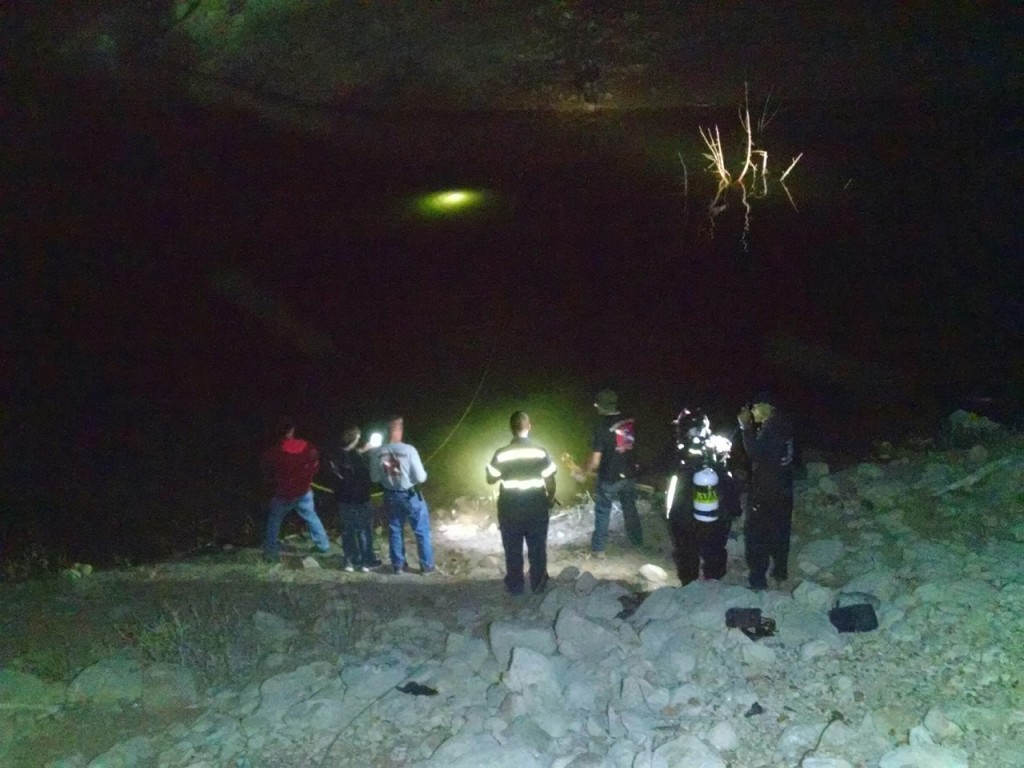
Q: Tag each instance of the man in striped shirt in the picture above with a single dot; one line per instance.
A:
(525, 473)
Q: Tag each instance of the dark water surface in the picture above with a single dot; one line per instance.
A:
(180, 278)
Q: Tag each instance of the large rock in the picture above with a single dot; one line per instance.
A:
(506, 635)
(686, 751)
(20, 690)
(108, 681)
(924, 756)
(168, 686)
(579, 638)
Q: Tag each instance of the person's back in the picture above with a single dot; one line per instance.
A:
(771, 456)
(352, 471)
(294, 463)
(397, 465)
(526, 474)
(613, 461)
(524, 467)
(616, 436)
(398, 469)
(351, 479)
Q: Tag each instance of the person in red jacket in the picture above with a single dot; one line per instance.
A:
(291, 466)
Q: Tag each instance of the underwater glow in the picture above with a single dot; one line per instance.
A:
(448, 202)
(462, 470)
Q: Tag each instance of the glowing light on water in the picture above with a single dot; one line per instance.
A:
(449, 199)
(449, 202)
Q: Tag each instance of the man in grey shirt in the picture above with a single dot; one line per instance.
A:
(397, 467)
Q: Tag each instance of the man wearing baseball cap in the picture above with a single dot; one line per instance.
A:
(613, 462)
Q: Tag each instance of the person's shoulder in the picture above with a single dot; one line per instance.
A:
(781, 421)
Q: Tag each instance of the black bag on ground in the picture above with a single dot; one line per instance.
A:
(859, 617)
(750, 622)
(738, 618)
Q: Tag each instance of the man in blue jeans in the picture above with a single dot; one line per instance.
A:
(612, 460)
(397, 467)
(350, 473)
(291, 465)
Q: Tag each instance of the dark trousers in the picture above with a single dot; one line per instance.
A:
(695, 542)
(531, 528)
(357, 533)
(766, 535)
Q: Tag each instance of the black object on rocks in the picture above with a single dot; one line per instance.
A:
(750, 622)
(738, 618)
(417, 689)
(755, 709)
(765, 629)
(859, 617)
(630, 603)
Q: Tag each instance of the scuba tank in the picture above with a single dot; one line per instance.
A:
(705, 494)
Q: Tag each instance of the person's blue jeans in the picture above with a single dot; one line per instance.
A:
(607, 492)
(402, 507)
(305, 508)
(357, 533)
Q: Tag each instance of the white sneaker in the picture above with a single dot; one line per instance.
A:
(363, 569)
(349, 568)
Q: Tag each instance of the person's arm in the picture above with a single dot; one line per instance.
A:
(417, 473)
(768, 445)
(590, 469)
(549, 473)
(745, 420)
(337, 466)
(492, 472)
(312, 462)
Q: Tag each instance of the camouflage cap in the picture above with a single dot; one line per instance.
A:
(606, 400)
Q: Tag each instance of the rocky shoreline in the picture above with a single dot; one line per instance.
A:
(612, 666)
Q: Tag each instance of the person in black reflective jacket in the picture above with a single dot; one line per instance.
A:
(525, 473)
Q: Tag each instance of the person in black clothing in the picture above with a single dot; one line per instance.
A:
(700, 515)
(351, 475)
(770, 503)
(526, 477)
(612, 460)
